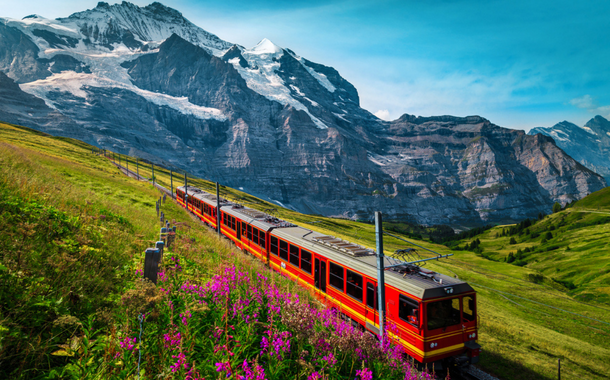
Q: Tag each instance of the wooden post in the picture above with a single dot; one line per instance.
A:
(171, 183)
(160, 246)
(119, 159)
(153, 172)
(137, 168)
(152, 258)
(127, 164)
(559, 369)
(380, 274)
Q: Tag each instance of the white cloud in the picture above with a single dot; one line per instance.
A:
(585, 102)
(383, 114)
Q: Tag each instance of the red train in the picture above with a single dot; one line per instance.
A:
(435, 315)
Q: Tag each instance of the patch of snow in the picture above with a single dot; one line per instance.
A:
(315, 104)
(589, 130)
(608, 133)
(374, 160)
(279, 203)
(340, 116)
(73, 83)
(265, 79)
(265, 47)
(319, 76)
(241, 188)
(297, 90)
(556, 135)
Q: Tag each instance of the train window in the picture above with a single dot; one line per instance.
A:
(249, 232)
(294, 255)
(283, 250)
(468, 308)
(306, 261)
(353, 285)
(261, 238)
(443, 313)
(371, 295)
(408, 310)
(244, 229)
(255, 235)
(273, 245)
(336, 276)
(233, 224)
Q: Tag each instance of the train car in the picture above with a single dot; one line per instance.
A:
(433, 316)
(201, 203)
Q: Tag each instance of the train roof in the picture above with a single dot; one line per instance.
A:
(256, 218)
(418, 282)
(204, 196)
(411, 279)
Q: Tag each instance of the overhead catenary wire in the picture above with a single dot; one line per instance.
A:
(399, 238)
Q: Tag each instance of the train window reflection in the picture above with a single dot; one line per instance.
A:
(468, 308)
(443, 313)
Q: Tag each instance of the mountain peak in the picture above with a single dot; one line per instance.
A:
(159, 8)
(265, 46)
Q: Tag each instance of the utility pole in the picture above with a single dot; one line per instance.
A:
(186, 193)
(380, 275)
(218, 207)
(138, 168)
(152, 165)
(171, 182)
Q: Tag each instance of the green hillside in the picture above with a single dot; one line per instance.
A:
(530, 314)
(568, 250)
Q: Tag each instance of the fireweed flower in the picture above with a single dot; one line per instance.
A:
(180, 363)
(185, 317)
(223, 367)
(314, 376)
(128, 343)
(364, 374)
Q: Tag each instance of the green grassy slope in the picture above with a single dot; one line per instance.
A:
(73, 234)
(526, 324)
(567, 250)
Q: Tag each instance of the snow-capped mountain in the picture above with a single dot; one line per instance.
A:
(589, 145)
(148, 82)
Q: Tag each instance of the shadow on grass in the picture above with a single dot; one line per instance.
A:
(506, 369)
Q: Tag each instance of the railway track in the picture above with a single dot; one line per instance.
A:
(473, 373)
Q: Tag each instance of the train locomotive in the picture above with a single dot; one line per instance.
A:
(434, 315)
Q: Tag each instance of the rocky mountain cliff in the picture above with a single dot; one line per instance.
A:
(589, 145)
(147, 82)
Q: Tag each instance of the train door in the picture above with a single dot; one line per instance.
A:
(371, 308)
(320, 274)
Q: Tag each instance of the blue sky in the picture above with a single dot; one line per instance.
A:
(520, 64)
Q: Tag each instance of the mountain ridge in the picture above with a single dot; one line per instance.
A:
(284, 128)
(589, 145)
